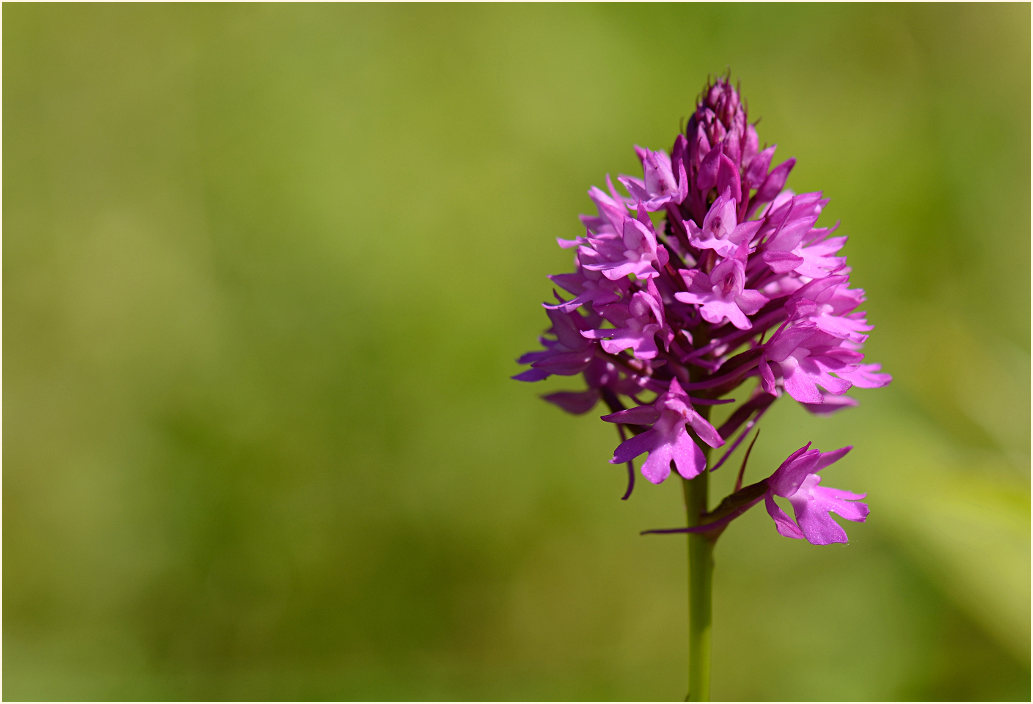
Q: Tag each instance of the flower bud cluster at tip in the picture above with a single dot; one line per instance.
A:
(707, 276)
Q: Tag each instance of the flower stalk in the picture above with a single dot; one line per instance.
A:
(701, 578)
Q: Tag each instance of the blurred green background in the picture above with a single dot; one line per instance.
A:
(267, 270)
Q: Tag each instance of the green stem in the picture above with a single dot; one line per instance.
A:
(701, 573)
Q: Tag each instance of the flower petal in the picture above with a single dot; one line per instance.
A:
(783, 523)
(657, 466)
(634, 446)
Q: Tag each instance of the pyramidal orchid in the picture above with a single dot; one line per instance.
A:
(709, 283)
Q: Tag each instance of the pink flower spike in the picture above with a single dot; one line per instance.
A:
(708, 274)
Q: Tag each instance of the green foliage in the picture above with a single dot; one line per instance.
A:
(266, 272)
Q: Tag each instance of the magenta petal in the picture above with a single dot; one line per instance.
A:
(814, 504)
(689, 297)
(751, 301)
(657, 466)
(688, 458)
(781, 262)
(783, 523)
(718, 311)
(728, 180)
(819, 528)
(576, 402)
(767, 378)
(635, 187)
(843, 503)
(793, 472)
(707, 178)
(831, 384)
(759, 165)
(694, 279)
(775, 181)
(830, 404)
(640, 415)
(827, 458)
(786, 342)
(707, 433)
(531, 375)
(801, 387)
(866, 376)
(634, 446)
(643, 347)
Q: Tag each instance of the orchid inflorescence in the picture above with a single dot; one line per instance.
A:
(708, 274)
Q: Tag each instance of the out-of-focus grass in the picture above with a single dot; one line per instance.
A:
(266, 272)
